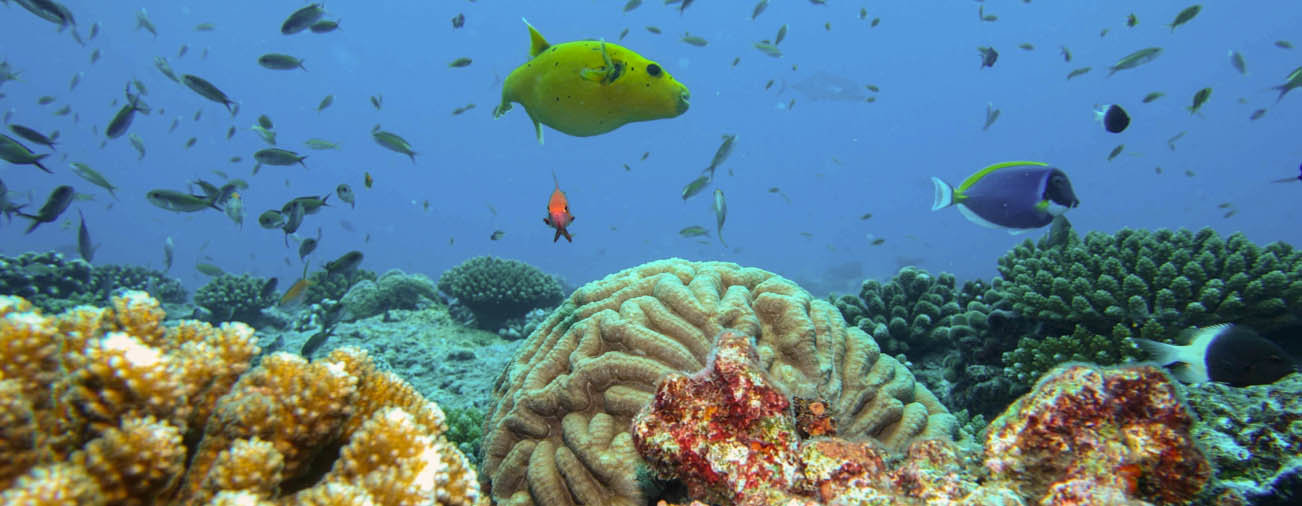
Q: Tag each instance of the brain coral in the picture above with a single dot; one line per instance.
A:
(559, 432)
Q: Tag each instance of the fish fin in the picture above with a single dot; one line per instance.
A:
(566, 233)
(537, 44)
(608, 72)
(1185, 362)
(557, 237)
(537, 127)
(503, 107)
(975, 218)
(971, 180)
(944, 196)
(1018, 231)
(37, 163)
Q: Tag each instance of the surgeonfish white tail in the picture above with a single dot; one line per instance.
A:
(944, 194)
(1190, 364)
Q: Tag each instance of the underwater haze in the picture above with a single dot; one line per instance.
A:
(834, 150)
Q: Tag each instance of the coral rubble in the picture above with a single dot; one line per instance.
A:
(110, 406)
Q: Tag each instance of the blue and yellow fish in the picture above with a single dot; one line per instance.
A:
(1014, 196)
(587, 87)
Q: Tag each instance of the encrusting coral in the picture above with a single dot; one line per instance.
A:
(109, 406)
(1084, 436)
(559, 432)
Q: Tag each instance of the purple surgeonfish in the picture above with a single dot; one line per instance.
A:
(1015, 196)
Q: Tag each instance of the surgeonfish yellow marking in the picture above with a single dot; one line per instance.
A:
(590, 87)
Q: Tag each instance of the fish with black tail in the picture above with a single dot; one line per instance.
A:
(1225, 353)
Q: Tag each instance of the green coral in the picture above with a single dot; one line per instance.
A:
(326, 286)
(48, 281)
(1096, 291)
(134, 277)
(497, 289)
(466, 430)
(229, 297)
(912, 313)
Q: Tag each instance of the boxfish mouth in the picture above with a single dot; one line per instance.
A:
(684, 101)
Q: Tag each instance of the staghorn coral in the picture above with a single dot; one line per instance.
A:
(236, 298)
(111, 406)
(497, 289)
(558, 433)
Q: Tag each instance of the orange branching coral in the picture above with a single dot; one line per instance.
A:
(112, 406)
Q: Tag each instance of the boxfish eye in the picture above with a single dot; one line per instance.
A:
(653, 70)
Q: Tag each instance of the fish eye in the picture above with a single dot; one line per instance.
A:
(653, 70)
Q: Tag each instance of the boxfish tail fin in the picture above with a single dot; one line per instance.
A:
(944, 194)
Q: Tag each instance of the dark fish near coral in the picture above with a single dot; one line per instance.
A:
(84, 246)
(308, 245)
(988, 56)
(1015, 196)
(458, 21)
(1113, 117)
(169, 249)
(207, 90)
(302, 19)
(344, 264)
(54, 206)
(268, 289)
(1225, 353)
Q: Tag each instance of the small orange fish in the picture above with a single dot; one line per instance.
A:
(558, 212)
(294, 296)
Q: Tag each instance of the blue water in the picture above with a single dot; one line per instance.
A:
(836, 160)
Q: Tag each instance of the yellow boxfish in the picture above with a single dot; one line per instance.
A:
(588, 87)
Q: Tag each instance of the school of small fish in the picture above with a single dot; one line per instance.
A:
(574, 85)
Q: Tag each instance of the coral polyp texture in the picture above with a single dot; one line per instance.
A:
(1094, 292)
(1084, 436)
(497, 289)
(110, 406)
(559, 431)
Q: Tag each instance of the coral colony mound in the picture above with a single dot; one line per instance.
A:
(674, 381)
